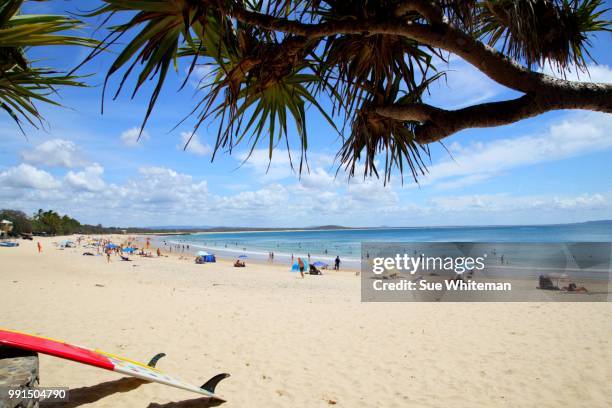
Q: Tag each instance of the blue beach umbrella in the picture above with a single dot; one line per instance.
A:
(243, 257)
(111, 246)
(296, 266)
(129, 249)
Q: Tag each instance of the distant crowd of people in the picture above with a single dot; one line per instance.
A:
(106, 247)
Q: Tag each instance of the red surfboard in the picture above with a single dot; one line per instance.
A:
(107, 361)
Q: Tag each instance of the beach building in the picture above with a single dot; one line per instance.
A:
(6, 226)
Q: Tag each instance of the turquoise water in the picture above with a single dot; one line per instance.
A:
(326, 245)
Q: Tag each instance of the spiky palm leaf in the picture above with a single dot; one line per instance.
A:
(253, 69)
(537, 31)
(22, 85)
(164, 26)
(348, 62)
(262, 80)
(268, 109)
(20, 90)
(373, 134)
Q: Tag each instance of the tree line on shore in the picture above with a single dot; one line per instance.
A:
(52, 223)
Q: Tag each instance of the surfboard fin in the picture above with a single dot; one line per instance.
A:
(212, 383)
(155, 359)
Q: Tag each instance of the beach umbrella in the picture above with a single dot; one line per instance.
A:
(296, 266)
(111, 246)
(202, 253)
(243, 257)
(320, 264)
(129, 249)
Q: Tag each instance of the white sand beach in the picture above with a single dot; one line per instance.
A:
(291, 342)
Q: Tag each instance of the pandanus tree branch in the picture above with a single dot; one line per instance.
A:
(436, 124)
(373, 60)
(543, 93)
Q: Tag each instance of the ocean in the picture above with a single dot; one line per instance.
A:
(325, 245)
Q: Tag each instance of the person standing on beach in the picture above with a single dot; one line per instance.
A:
(301, 266)
(337, 263)
(39, 247)
(108, 252)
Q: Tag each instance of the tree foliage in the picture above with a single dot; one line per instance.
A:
(21, 222)
(50, 222)
(364, 65)
(21, 84)
(371, 60)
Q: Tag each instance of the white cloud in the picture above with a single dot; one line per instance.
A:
(90, 179)
(578, 135)
(371, 190)
(130, 137)
(162, 196)
(270, 170)
(596, 73)
(318, 179)
(200, 75)
(195, 146)
(165, 187)
(584, 201)
(27, 176)
(463, 85)
(486, 203)
(279, 168)
(54, 153)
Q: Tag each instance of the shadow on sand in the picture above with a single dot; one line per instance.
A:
(88, 395)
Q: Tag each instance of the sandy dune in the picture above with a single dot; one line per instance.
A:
(289, 342)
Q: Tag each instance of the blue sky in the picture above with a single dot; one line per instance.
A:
(551, 169)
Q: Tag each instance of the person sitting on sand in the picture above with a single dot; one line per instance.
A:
(546, 283)
(239, 264)
(314, 270)
(301, 266)
(125, 258)
(573, 288)
(458, 277)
